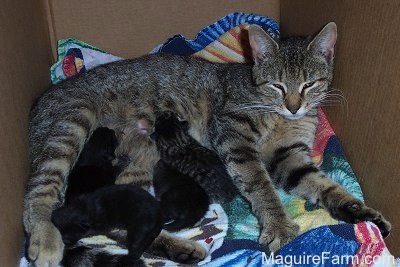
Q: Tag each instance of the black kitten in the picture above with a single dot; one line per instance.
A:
(126, 207)
(94, 205)
(94, 168)
(183, 201)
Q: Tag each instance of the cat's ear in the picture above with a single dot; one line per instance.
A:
(261, 43)
(325, 40)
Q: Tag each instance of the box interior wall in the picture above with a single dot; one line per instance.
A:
(367, 71)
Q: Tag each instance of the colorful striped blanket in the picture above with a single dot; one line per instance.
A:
(230, 232)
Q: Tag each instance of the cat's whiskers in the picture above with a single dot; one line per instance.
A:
(337, 95)
(334, 97)
(257, 106)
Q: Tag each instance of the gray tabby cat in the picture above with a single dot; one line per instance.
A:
(260, 119)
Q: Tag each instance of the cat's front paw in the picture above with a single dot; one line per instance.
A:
(177, 249)
(276, 233)
(45, 245)
(354, 211)
(187, 252)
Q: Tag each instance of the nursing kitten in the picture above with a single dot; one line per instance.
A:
(183, 202)
(184, 154)
(126, 207)
(92, 171)
(260, 119)
(94, 168)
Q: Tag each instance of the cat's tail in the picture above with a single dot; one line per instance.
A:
(83, 256)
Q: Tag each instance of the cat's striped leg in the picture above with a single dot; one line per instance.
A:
(142, 156)
(256, 186)
(293, 170)
(57, 148)
(237, 148)
(136, 176)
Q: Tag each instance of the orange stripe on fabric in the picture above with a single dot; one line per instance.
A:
(230, 46)
(219, 48)
(205, 55)
(218, 55)
(235, 32)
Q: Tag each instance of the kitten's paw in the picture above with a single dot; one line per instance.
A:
(45, 245)
(354, 211)
(277, 233)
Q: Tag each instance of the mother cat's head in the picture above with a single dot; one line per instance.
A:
(293, 75)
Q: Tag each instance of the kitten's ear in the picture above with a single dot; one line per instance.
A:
(261, 43)
(153, 136)
(184, 125)
(84, 225)
(325, 40)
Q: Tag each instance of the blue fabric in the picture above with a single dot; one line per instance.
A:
(338, 168)
(179, 45)
(336, 240)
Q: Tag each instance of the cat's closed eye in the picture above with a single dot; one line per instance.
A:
(308, 85)
(279, 87)
(305, 87)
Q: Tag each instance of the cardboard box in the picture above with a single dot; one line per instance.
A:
(367, 71)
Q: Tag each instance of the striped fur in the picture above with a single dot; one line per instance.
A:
(184, 154)
(256, 117)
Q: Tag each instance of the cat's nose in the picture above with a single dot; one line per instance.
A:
(293, 109)
(293, 103)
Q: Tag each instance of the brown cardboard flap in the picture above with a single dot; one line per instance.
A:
(368, 73)
(24, 73)
(133, 28)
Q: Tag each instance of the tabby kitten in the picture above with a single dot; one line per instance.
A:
(182, 199)
(184, 154)
(256, 117)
